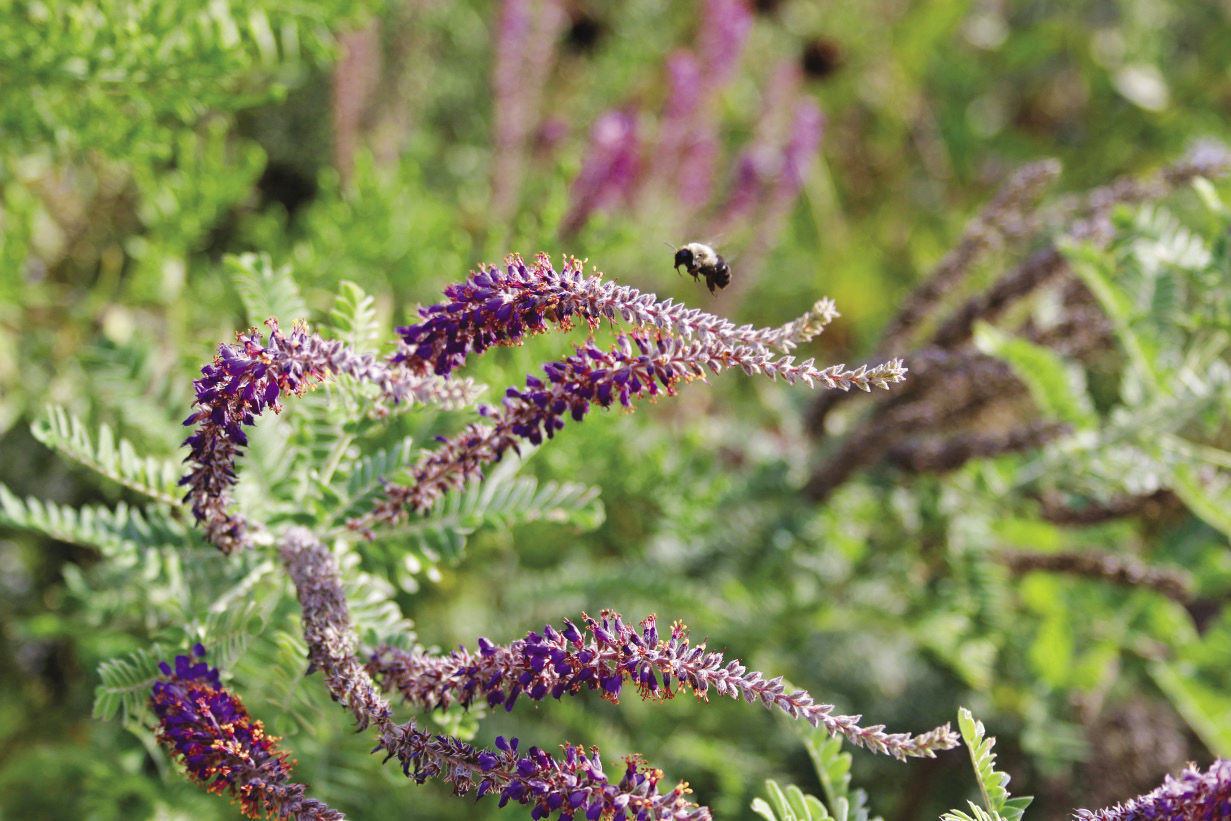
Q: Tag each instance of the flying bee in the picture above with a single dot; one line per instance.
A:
(700, 260)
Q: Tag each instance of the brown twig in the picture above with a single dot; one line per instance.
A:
(1116, 568)
(950, 453)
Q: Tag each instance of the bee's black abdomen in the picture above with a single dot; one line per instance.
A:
(717, 275)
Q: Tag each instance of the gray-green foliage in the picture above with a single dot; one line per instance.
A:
(121, 157)
(502, 500)
(321, 464)
(998, 805)
(144, 134)
(833, 768)
(841, 803)
(151, 563)
(1149, 415)
(118, 531)
(115, 458)
(115, 76)
(1163, 285)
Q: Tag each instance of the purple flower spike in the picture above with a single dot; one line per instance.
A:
(604, 657)
(525, 35)
(205, 727)
(636, 366)
(686, 121)
(609, 171)
(761, 162)
(806, 133)
(549, 786)
(1192, 796)
(723, 37)
(250, 377)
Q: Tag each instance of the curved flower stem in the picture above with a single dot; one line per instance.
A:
(603, 655)
(252, 376)
(575, 783)
(503, 306)
(493, 307)
(636, 366)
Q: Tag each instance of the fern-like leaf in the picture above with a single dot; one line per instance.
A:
(1161, 241)
(993, 784)
(140, 379)
(273, 479)
(833, 768)
(1057, 387)
(363, 478)
(117, 531)
(266, 291)
(500, 501)
(114, 458)
(790, 804)
(1096, 271)
(374, 612)
(354, 317)
(226, 633)
(125, 682)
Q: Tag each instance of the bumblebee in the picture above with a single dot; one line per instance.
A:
(700, 260)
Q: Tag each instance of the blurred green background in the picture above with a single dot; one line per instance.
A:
(141, 143)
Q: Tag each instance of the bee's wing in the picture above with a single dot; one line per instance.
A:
(716, 241)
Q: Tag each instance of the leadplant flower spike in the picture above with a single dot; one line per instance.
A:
(605, 654)
(502, 306)
(252, 376)
(223, 749)
(572, 786)
(668, 345)
(610, 170)
(658, 346)
(665, 345)
(1194, 795)
(638, 365)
